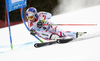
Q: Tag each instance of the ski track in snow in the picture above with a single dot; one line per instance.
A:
(19, 46)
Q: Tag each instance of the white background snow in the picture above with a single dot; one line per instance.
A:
(23, 42)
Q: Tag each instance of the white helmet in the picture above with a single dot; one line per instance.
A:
(31, 13)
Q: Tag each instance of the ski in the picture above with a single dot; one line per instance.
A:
(58, 41)
(37, 45)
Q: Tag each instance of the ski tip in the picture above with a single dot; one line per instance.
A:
(35, 45)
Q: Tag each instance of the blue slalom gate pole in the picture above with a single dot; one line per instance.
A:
(26, 25)
(9, 28)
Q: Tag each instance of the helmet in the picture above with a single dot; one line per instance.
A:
(31, 13)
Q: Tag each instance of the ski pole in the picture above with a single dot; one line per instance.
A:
(26, 25)
(70, 24)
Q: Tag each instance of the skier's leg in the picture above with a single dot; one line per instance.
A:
(61, 33)
(43, 34)
(58, 31)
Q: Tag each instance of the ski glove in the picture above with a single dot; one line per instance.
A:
(40, 23)
(32, 32)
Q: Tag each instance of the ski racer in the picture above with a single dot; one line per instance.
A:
(49, 32)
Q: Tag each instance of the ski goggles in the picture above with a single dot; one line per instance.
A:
(30, 17)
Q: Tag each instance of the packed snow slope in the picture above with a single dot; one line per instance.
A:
(23, 42)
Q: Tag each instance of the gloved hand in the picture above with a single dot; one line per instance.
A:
(32, 32)
(40, 23)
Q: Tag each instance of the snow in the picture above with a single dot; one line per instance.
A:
(23, 42)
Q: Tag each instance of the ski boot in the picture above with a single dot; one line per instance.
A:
(78, 34)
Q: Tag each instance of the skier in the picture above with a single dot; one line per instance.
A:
(49, 32)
